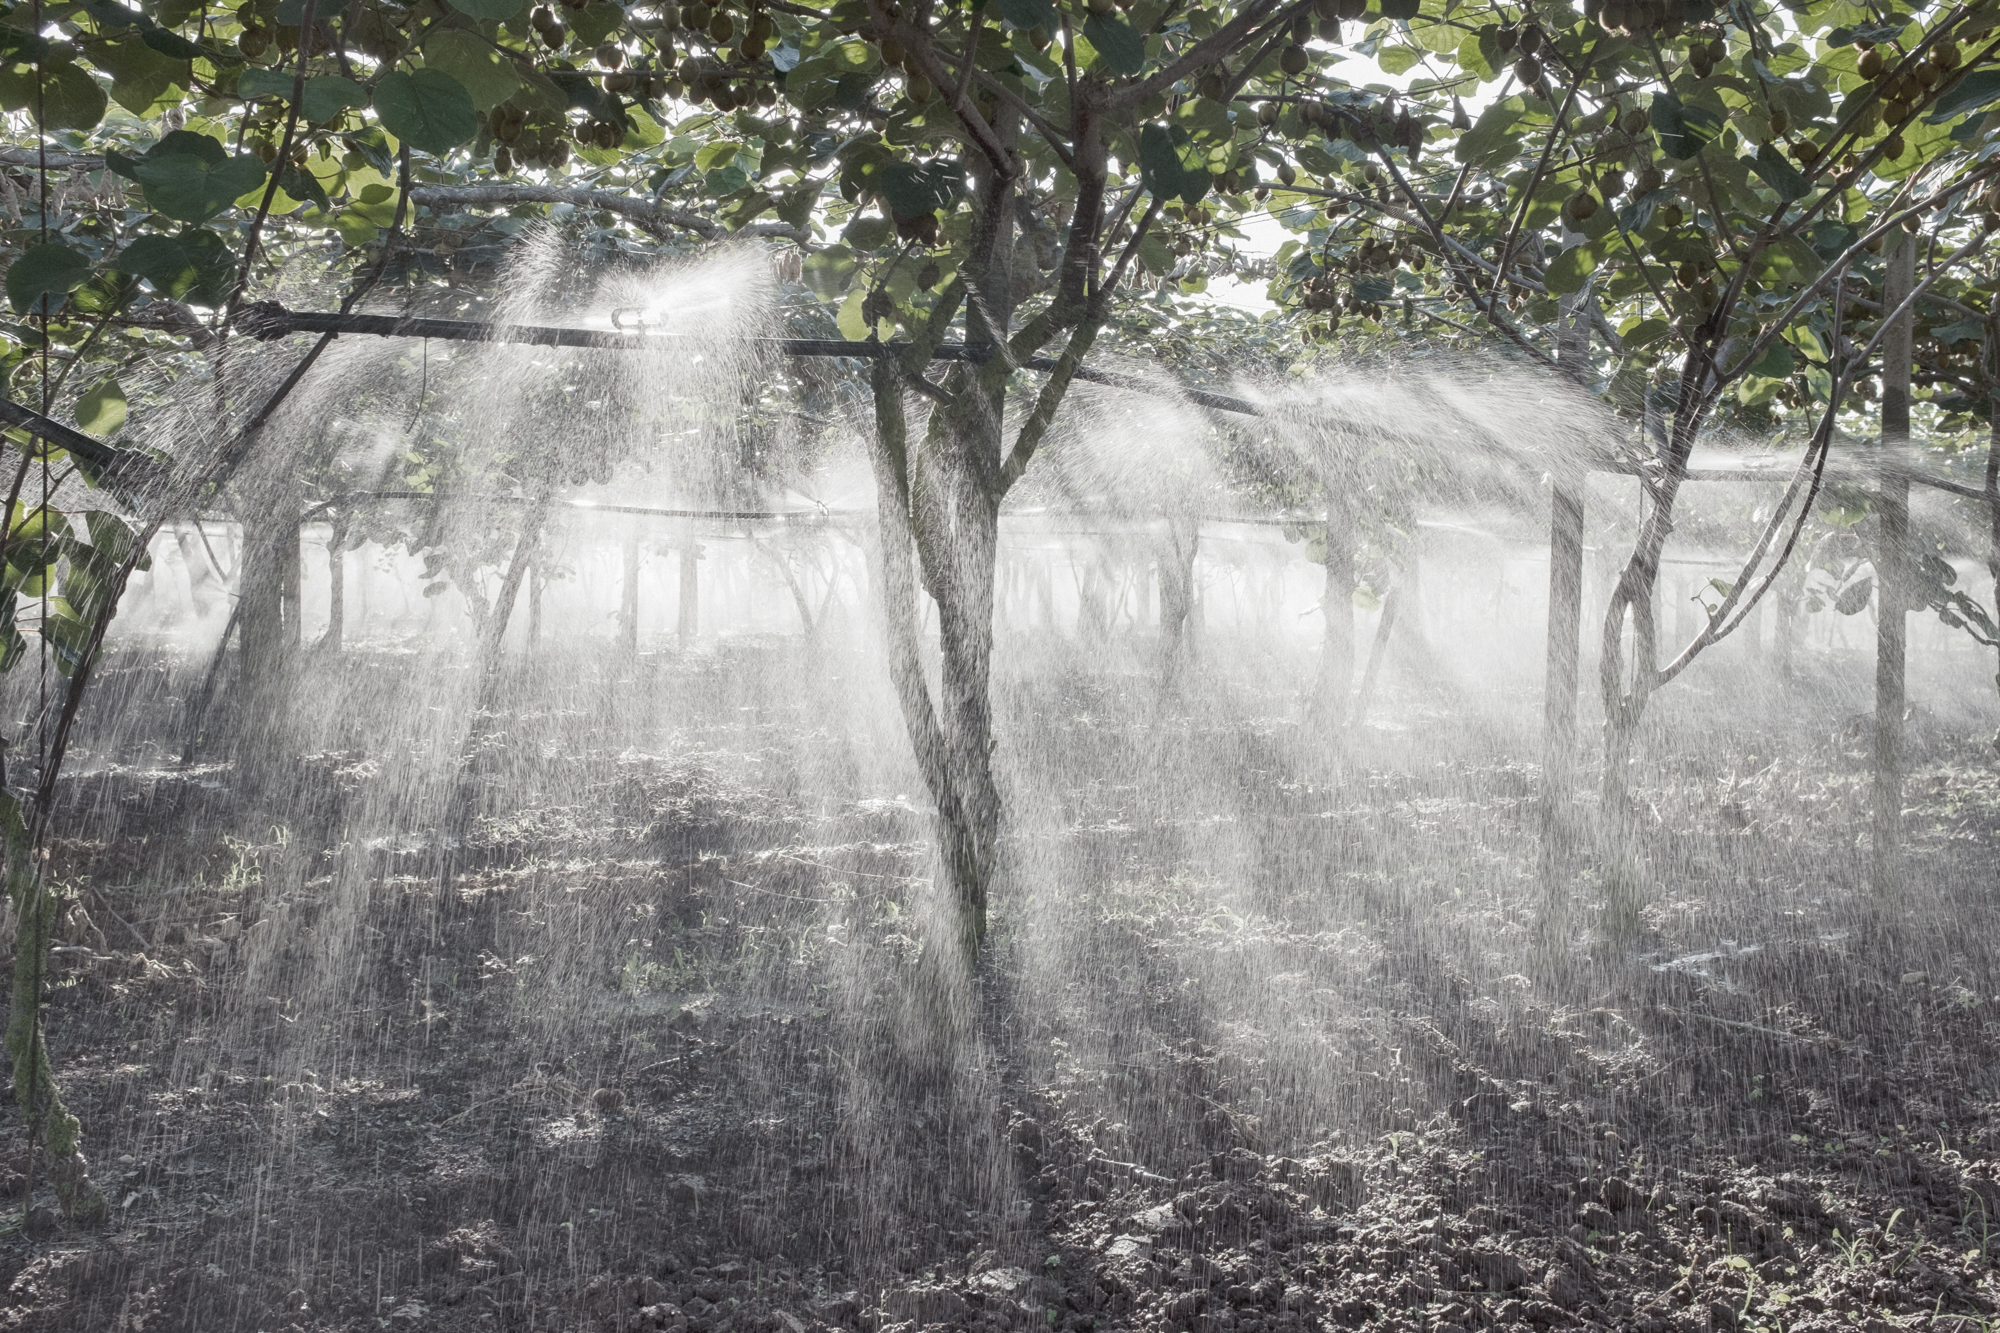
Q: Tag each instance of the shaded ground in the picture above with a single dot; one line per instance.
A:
(1257, 1047)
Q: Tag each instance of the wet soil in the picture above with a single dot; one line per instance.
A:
(1257, 1046)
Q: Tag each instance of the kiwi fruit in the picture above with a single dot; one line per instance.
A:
(1293, 61)
(1581, 206)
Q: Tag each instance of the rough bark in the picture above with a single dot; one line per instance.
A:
(1175, 554)
(628, 598)
(336, 587)
(1892, 579)
(1559, 684)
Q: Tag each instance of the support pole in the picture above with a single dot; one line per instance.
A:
(1891, 569)
(689, 622)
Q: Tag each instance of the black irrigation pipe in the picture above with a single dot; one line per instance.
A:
(112, 465)
(270, 319)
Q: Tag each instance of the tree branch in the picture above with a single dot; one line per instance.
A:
(1229, 37)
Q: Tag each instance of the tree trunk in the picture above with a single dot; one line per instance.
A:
(951, 741)
(1783, 633)
(1559, 676)
(628, 601)
(1632, 602)
(1559, 700)
(1175, 553)
(336, 587)
(1384, 626)
(1892, 558)
(536, 582)
(267, 628)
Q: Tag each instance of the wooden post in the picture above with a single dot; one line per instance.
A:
(1891, 574)
(688, 624)
(628, 604)
(1559, 673)
(1336, 604)
(336, 584)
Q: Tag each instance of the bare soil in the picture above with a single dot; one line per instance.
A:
(1256, 1045)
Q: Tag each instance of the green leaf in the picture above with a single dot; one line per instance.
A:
(176, 47)
(300, 184)
(474, 63)
(493, 10)
(1492, 139)
(1684, 130)
(428, 110)
(101, 410)
(580, 90)
(1398, 59)
(196, 263)
(52, 269)
(1972, 92)
(594, 23)
(1639, 332)
(868, 232)
(188, 188)
(1473, 59)
(1775, 364)
(254, 83)
(1164, 170)
(1967, 329)
(912, 189)
(71, 99)
(141, 77)
(327, 95)
(853, 325)
(1027, 13)
(1571, 269)
(1780, 175)
(1123, 50)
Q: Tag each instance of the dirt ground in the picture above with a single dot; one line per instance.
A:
(1256, 1046)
